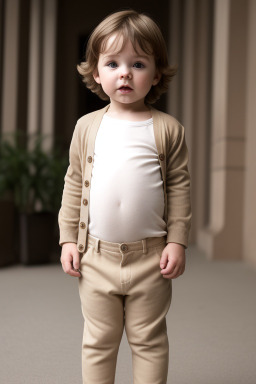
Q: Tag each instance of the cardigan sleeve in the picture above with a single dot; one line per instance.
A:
(69, 213)
(178, 190)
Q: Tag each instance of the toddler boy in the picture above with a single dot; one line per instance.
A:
(125, 215)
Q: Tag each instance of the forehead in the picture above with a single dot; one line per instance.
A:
(116, 43)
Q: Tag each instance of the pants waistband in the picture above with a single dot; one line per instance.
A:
(143, 244)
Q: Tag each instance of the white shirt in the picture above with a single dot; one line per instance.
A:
(127, 196)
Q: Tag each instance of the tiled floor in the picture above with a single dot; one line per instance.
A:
(211, 326)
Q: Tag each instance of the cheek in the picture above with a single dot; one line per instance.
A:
(145, 81)
(106, 83)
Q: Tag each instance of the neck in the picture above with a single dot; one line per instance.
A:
(129, 112)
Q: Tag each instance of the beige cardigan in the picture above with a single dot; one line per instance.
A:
(173, 158)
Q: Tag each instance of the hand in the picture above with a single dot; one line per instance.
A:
(173, 260)
(70, 259)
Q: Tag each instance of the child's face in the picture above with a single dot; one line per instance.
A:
(126, 77)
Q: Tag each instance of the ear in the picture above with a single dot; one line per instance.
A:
(96, 76)
(156, 78)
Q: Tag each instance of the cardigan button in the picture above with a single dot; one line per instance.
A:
(85, 201)
(82, 224)
(86, 183)
(80, 247)
(161, 156)
(89, 159)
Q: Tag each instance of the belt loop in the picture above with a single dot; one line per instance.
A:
(97, 245)
(144, 245)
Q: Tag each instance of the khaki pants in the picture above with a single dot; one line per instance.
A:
(121, 286)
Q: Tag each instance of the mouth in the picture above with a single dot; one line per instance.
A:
(125, 89)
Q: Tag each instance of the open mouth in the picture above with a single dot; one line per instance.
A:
(125, 88)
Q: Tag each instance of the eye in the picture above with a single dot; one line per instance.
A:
(112, 64)
(138, 65)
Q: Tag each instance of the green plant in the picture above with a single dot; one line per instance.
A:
(34, 177)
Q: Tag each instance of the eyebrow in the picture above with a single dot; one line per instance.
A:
(110, 56)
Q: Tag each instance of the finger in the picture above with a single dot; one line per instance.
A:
(68, 268)
(78, 271)
(173, 274)
(76, 261)
(169, 268)
(163, 260)
(74, 273)
(176, 273)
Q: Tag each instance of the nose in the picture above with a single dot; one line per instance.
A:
(125, 73)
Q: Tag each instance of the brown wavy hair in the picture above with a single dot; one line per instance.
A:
(139, 29)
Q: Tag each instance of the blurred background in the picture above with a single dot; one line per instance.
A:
(213, 95)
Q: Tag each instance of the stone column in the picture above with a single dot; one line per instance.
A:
(189, 93)
(34, 77)
(1, 53)
(182, 44)
(202, 112)
(48, 71)
(249, 217)
(10, 66)
(174, 50)
(222, 238)
(42, 69)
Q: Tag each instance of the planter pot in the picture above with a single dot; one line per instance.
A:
(7, 237)
(36, 237)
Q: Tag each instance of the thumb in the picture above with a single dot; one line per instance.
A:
(76, 260)
(163, 260)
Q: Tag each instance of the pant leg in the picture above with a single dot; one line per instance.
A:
(103, 312)
(146, 304)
